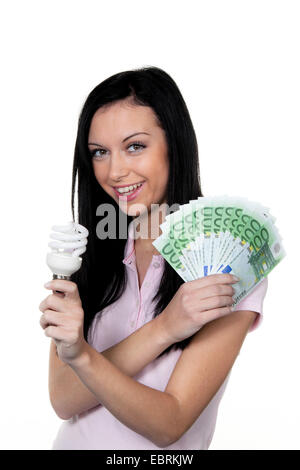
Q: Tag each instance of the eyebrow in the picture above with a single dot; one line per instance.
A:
(126, 138)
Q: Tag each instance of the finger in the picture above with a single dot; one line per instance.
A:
(69, 288)
(55, 332)
(212, 303)
(216, 289)
(211, 315)
(50, 317)
(44, 304)
(219, 278)
(53, 302)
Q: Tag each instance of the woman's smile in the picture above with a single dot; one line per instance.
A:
(131, 194)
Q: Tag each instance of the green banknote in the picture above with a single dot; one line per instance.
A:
(222, 234)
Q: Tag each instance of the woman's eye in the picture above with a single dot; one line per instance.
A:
(93, 152)
(136, 144)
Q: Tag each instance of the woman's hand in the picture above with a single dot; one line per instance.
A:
(196, 303)
(62, 319)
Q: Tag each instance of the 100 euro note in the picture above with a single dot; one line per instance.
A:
(263, 252)
(222, 234)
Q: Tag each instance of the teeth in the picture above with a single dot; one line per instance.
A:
(128, 188)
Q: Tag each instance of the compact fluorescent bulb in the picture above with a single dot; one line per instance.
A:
(70, 242)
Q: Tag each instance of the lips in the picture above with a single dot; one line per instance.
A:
(131, 196)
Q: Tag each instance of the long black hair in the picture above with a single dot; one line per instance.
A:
(102, 277)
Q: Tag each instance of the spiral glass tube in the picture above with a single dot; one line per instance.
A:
(69, 243)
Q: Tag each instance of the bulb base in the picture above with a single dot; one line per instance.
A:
(60, 276)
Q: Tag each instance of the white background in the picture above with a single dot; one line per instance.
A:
(237, 66)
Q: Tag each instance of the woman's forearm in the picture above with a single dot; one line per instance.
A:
(140, 348)
(147, 411)
(69, 396)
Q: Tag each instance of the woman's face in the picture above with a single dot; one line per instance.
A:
(121, 159)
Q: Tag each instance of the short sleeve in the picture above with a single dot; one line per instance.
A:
(254, 302)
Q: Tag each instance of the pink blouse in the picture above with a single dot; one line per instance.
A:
(97, 428)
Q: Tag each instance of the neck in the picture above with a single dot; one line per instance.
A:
(147, 230)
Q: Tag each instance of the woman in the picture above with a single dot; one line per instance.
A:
(139, 359)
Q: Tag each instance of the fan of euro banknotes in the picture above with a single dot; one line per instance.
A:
(222, 234)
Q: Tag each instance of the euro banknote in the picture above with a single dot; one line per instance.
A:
(222, 234)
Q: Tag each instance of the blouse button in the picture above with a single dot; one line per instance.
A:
(156, 265)
(132, 323)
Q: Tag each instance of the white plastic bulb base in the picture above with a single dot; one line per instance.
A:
(63, 265)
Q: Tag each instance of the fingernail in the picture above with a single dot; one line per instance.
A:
(47, 284)
(236, 278)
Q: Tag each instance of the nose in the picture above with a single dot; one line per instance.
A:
(118, 167)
